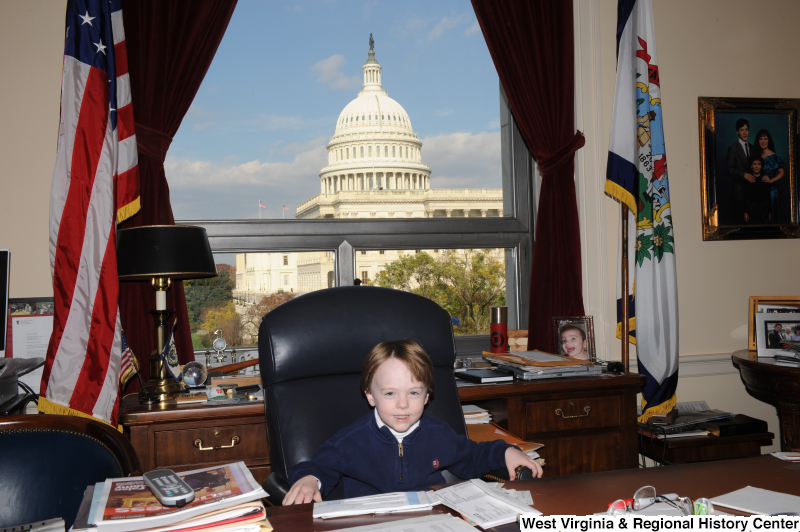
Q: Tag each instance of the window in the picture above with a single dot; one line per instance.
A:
(506, 223)
(363, 252)
(286, 260)
(364, 276)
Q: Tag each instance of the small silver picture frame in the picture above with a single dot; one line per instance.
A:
(766, 323)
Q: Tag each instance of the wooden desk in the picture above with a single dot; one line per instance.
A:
(588, 494)
(702, 448)
(604, 438)
(776, 385)
(165, 436)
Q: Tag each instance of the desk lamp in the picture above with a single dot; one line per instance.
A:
(160, 254)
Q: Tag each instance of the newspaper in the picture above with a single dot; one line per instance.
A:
(126, 504)
(372, 504)
(482, 504)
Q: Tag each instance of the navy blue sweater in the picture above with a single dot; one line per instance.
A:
(371, 461)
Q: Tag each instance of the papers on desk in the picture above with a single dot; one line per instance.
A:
(432, 523)
(475, 415)
(758, 501)
(482, 504)
(400, 501)
(787, 456)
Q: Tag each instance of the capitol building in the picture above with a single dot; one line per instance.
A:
(375, 170)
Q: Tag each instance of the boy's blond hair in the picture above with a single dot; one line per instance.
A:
(408, 352)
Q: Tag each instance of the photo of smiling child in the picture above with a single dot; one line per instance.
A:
(574, 337)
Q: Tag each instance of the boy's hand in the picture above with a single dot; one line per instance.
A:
(304, 490)
(516, 458)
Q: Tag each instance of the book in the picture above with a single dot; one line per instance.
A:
(127, 505)
(737, 425)
(491, 432)
(374, 504)
(485, 375)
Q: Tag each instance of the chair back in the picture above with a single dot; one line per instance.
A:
(47, 461)
(311, 351)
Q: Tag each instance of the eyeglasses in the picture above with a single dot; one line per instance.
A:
(645, 497)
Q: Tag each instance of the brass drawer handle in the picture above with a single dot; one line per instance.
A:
(199, 444)
(586, 409)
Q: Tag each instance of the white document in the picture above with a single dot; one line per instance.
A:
(433, 523)
(384, 503)
(30, 335)
(758, 501)
(473, 410)
(482, 504)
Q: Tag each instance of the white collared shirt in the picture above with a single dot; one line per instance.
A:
(398, 435)
(745, 148)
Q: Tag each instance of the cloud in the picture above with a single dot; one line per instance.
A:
(443, 112)
(463, 159)
(330, 74)
(204, 125)
(309, 145)
(446, 24)
(475, 28)
(194, 174)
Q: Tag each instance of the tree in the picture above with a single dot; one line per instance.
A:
(225, 319)
(463, 282)
(202, 294)
(251, 319)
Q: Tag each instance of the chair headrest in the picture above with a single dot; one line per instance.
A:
(330, 332)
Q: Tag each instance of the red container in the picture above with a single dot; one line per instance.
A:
(499, 337)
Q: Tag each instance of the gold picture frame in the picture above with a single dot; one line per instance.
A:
(759, 304)
(733, 206)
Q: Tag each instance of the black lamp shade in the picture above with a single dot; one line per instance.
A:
(174, 251)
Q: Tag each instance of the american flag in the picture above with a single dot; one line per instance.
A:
(285, 208)
(261, 205)
(128, 366)
(95, 185)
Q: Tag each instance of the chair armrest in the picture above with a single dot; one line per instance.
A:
(276, 487)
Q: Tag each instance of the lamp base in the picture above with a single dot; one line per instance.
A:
(162, 388)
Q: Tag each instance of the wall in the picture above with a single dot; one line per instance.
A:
(30, 93)
(709, 48)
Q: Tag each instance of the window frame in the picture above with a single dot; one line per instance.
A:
(514, 232)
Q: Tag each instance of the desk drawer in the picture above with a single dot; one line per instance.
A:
(223, 443)
(569, 414)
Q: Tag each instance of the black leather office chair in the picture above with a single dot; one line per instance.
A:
(46, 463)
(311, 351)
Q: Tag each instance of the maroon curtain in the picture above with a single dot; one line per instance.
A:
(170, 46)
(531, 43)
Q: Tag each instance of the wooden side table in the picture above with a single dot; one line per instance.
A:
(776, 385)
(702, 448)
(588, 424)
(183, 437)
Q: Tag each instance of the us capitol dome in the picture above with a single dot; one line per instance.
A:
(375, 166)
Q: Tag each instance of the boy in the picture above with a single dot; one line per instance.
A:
(573, 342)
(396, 447)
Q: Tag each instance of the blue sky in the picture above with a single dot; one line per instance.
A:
(258, 126)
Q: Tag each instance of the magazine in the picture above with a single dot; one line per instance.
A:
(126, 504)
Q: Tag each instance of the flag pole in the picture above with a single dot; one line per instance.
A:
(625, 301)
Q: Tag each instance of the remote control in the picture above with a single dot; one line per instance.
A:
(168, 487)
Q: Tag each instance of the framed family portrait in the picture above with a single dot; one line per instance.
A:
(768, 305)
(573, 336)
(773, 328)
(748, 158)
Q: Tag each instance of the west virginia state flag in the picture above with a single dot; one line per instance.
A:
(637, 176)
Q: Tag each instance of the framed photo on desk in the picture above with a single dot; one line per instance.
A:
(772, 329)
(573, 336)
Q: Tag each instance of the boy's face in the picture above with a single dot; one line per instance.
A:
(743, 132)
(756, 166)
(397, 396)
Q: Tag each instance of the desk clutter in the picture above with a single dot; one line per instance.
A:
(697, 419)
(524, 365)
(226, 497)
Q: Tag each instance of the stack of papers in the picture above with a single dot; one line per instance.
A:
(474, 415)
(225, 495)
(408, 501)
(482, 504)
(429, 523)
(532, 365)
(787, 456)
(758, 501)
